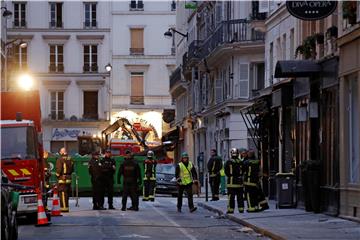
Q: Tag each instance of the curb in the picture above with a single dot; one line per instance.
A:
(257, 229)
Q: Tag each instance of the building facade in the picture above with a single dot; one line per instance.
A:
(220, 65)
(142, 61)
(349, 73)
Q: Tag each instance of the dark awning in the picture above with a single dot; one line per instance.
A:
(296, 68)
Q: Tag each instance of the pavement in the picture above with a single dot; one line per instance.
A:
(289, 223)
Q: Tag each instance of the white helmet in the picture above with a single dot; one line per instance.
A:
(150, 154)
(234, 152)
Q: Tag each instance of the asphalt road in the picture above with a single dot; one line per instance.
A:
(155, 220)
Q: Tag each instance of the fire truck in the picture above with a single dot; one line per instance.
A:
(21, 146)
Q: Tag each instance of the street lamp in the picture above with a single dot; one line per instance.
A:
(25, 82)
(108, 67)
(6, 13)
(169, 33)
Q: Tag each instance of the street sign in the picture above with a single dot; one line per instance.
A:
(311, 10)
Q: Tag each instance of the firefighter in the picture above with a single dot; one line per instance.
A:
(149, 177)
(97, 181)
(185, 175)
(214, 167)
(235, 188)
(130, 171)
(64, 169)
(255, 197)
(109, 167)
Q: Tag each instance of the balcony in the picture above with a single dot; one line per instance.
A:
(137, 100)
(92, 68)
(186, 69)
(136, 51)
(90, 116)
(90, 24)
(56, 24)
(231, 32)
(19, 24)
(56, 68)
(175, 77)
(195, 51)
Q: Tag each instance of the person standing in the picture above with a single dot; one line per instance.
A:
(97, 181)
(64, 169)
(109, 168)
(185, 175)
(235, 188)
(255, 197)
(150, 177)
(130, 171)
(214, 166)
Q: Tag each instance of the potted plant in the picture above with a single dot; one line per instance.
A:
(349, 11)
(307, 48)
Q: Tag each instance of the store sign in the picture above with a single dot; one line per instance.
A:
(311, 10)
(71, 134)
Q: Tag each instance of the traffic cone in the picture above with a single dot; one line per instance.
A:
(55, 210)
(42, 218)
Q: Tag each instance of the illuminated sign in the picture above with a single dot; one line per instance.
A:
(311, 10)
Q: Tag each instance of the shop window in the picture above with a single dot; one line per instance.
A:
(90, 105)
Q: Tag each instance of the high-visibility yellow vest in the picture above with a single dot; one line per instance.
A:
(185, 173)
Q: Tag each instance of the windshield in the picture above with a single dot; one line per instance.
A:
(18, 142)
(165, 168)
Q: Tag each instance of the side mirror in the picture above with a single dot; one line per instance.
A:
(4, 179)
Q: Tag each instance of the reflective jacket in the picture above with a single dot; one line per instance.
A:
(149, 169)
(214, 166)
(234, 173)
(251, 173)
(64, 169)
(185, 173)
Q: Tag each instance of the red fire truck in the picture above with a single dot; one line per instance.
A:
(21, 146)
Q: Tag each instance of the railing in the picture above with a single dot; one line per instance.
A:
(137, 100)
(19, 24)
(231, 31)
(56, 24)
(195, 50)
(175, 77)
(91, 116)
(56, 68)
(90, 24)
(136, 51)
(185, 62)
(92, 68)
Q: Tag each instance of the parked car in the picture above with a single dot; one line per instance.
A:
(165, 179)
(9, 201)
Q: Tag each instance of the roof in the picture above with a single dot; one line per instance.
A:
(296, 68)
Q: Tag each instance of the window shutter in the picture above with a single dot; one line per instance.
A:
(137, 86)
(244, 80)
(218, 90)
(263, 6)
(137, 40)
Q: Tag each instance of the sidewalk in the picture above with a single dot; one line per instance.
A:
(289, 223)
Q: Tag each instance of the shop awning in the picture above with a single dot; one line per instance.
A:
(296, 68)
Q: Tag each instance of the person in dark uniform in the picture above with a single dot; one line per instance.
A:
(109, 168)
(214, 166)
(255, 197)
(130, 171)
(64, 169)
(149, 177)
(97, 181)
(235, 188)
(186, 175)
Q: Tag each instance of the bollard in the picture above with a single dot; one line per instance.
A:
(206, 187)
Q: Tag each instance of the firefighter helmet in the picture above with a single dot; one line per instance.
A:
(234, 152)
(150, 154)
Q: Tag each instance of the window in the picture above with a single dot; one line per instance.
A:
(57, 105)
(258, 76)
(90, 15)
(271, 64)
(19, 15)
(21, 57)
(56, 15)
(137, 88)
(354, 129)
(56, 58)
(292, 43)
(137, 41)
(136, 5)
(173, 6)
(90, 58)
(90, 105)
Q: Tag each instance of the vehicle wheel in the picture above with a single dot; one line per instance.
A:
(32, 218)
(5, 227)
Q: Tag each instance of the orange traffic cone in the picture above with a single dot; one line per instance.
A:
(42, 218)
(55, 210)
